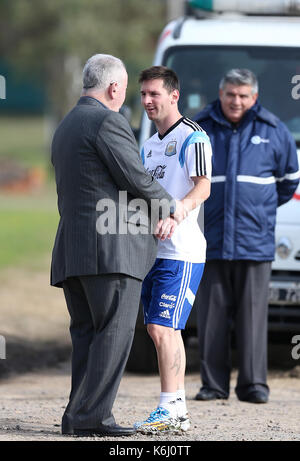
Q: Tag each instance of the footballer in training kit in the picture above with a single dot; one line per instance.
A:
(178, 156)
(169, 289)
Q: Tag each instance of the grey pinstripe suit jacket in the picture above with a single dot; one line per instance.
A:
(95, 156)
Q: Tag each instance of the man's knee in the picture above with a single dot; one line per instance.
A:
(160, 333)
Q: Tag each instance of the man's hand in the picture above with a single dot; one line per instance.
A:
(165, 228)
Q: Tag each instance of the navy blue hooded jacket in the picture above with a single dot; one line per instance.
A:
(254, 170)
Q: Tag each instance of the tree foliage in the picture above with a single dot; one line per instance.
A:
(52, 39)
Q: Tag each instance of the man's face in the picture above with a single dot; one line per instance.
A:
(236, 100)
(122, 90)
(156, 100)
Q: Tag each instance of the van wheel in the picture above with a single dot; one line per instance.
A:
(142, 358)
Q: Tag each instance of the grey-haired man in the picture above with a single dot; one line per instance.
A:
(97, 163)
(254, 170)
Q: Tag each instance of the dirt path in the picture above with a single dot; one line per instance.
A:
(32, 405)
(34, 320)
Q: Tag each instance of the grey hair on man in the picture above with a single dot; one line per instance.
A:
(101, 70)
(240, 77)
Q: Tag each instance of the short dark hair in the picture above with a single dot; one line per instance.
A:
(168, 76)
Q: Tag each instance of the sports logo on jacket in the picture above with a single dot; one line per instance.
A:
(171, 149)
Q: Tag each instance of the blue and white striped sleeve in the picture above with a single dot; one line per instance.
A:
(198, 153)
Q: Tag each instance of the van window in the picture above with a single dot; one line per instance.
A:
(200, 69)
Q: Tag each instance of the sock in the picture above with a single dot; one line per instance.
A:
(181, 403)
(168, 401)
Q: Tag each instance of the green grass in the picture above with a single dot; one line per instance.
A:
(25, 235)
(27, 229)
(28, 222)
(25, 140)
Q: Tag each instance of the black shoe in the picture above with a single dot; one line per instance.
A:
(67, 425)
(67, 431)
(66, 428)
(255, 397)
(105, 431)
(208, 394)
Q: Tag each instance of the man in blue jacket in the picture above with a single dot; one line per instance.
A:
(255, 170)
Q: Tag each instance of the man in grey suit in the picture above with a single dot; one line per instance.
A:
(100, 268)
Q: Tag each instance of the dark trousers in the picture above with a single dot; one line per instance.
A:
(103, 311)
(233, 291)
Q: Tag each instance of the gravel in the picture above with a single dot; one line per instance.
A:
(35, 379)
(32, 405)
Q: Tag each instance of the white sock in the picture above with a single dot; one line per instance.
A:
(180, 402)
(168, 401)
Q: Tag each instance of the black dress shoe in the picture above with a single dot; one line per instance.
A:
(67, 429)
(208, 394)
(255, 397)
(67, 425)
(105, 431)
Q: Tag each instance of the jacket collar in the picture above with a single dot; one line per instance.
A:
(90, 101)
(215, 112)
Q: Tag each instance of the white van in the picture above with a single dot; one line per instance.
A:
(200, 48)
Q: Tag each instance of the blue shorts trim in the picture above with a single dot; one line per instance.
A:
(168, 292)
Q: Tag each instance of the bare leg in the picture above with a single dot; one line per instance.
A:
(181, 373)
(169, 352)
(171, 361)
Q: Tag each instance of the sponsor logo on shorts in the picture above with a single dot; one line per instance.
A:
(170, 306)
(165, 314)
(168, 297)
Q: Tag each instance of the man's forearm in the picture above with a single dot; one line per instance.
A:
(194, 198)
(198, 195)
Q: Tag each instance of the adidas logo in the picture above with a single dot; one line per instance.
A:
(165, 314)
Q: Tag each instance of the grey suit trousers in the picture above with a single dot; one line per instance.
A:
(233, 292)
(103, 311)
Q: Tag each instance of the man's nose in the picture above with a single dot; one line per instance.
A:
(236, 99)
(146, 99)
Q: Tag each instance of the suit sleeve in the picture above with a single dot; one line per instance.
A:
(287, 173)
(117, 148)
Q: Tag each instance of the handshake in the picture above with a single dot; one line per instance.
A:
(165, 227)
